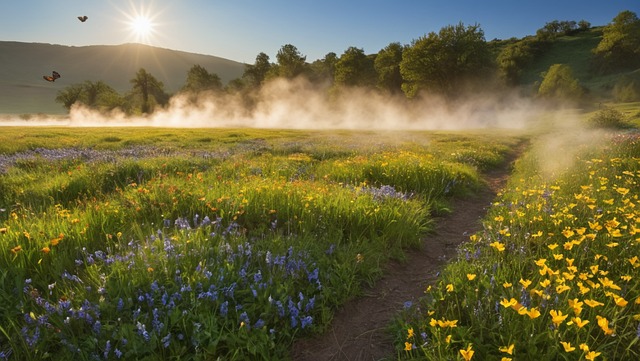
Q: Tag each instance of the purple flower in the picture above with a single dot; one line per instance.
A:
(306, 321)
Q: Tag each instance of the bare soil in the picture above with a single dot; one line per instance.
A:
(359, 329)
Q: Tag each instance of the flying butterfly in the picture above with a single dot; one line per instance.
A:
(54, 75)
(83, 18)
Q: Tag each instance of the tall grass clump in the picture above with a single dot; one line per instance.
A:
(554, 275)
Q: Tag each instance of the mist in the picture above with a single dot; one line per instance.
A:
(297, 104)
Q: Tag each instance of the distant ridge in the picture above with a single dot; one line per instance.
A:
(22, 65)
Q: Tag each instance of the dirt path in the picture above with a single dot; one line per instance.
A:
(358, 331)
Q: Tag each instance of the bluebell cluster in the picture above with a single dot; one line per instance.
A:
(89, 155)
(235, 284)
(386, 192)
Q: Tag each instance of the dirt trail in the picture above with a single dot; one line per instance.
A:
(358, 330)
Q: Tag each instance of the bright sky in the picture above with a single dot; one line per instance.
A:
(240, 29)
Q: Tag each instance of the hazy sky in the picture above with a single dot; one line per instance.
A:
(241, 29)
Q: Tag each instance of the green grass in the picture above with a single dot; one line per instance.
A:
(195, 244)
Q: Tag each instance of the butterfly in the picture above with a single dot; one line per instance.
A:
(83, 18)
(54, 75)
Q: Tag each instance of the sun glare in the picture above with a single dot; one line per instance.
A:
(142, 27)
(141, 23)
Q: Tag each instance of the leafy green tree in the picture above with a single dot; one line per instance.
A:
(387, 66)
(255, 74)
(354, 68)
(560, 84)
(149, 89)
(513, 59)
(199, 79)
(324, 69)
(620, 44)
(290, 62)
(94, 94)
(445, 62)
(69, 95)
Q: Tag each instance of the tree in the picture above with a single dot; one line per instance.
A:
(387, 66)
(445, 62)
(199, 79)
(620, 44)
(560, 84)
(515, 57)
(290, 62)
(325, 68)
(354, 68)
(255, 74)
(94, 94)
(150, 90)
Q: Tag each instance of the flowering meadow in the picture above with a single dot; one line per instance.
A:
(184, 244)
(553, 275)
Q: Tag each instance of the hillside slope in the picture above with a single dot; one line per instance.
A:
(22, 65)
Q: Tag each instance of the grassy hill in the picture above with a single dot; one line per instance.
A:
(22, 66)
(575, 51)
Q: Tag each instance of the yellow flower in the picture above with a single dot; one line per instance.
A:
(448, 339)
(622, 191)
(450, 287)
(508, 349)
(498, 246)
(508, 303)
(408, 346)
(593, 303)
(46, 249)
(576, 305)
(591, 355)
(506, 359)
(553, 246)
(507, 285)
(471, 276)
(410, 333)
(533, 313)
(467, 354)
(545, 283)
(584, 347)
(525, 283)
(567, 346)
(557, 317)
(579, 322)
(562, 288)
(620, 301)
(568, 233)
(604, 325)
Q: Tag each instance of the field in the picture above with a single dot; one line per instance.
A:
(146, 243)
(199, 244)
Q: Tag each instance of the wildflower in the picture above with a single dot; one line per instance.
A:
(498, 246)
(467, 354)
(16, 249)
(533, 313)
(508, 349)
(593, 303)
(591, 355)
(604, 325)
(448, 339)
(410, 333)
(471, 276)
(507, 285)
(525, 283)
(557, 317)
(450, 287)
(567, 346)
(3, 230)
(562, 288)
(579, 322)
(46, 250)
(576, 305)
(408, 346)
(359, 258)
(508, 303)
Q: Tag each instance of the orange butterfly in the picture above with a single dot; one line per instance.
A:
(55, 75)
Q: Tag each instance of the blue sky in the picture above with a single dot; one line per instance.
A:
(240, 29)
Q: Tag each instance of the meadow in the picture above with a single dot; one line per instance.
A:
(203, 244)
(553, 274)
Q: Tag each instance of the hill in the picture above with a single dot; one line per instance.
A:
(22, 65)
(576, 52)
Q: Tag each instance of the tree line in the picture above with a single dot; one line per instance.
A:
(452, 62)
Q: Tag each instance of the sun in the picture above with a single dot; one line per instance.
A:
(141, 27)
(140, 22)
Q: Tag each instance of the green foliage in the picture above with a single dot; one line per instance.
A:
(608, 118)
(147, 92)
(387, 66)
(445, 63)
(354, 68)
(559, 84)
(620, 44)
(516, 57)
(291, 63)
(255, 74)
(94, 94)
(627, 88)
(199, 79)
